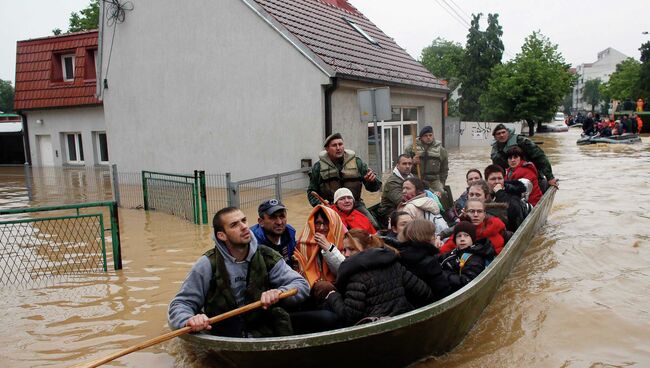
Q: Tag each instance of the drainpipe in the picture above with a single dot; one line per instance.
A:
(444, 102)
(26, 149)
(328, 105)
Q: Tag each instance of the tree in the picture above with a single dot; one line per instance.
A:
(443, 59)
(567, 104)
(531, 86)
(86, 19)
(623, 82)
(6, 96)
(483, 51)
(643, 83)
(591, 93)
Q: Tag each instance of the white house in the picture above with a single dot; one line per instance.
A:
(600, 69)
(251, 86)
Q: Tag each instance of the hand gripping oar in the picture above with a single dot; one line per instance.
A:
(317, 196)
(181, 331)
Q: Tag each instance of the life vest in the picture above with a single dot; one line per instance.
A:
(431, 157)
(274, 321)
(331, 178)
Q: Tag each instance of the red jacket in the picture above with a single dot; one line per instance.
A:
(355, 220)
(526, 170)
(492, 228)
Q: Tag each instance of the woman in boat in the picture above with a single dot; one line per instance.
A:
(398, 221)
(418, 255)
(416, 203)
(487, 226)
(317, 246)
(371, 282)
(344, 207)
(521, 169)
(468, 259)
(471, 176)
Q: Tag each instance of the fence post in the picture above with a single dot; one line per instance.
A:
(229, 191)
(115, 183)
(278, 187)
(204, 197)
(28, 181)
(115, 236)
(145, 195)
(195, 198)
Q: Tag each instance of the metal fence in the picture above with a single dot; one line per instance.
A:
(41, 242)
(251, 192)
(176, 194)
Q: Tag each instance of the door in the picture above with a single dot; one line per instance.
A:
(45, 150)
(391, 146)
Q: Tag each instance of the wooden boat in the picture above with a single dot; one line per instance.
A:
(627, 138)
(398, 341)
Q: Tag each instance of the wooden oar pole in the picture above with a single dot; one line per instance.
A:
(317, 196)
(179, 332)
(415, 149)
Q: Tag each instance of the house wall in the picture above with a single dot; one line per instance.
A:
(56, 122)
(601, 69)
(346, 116)
(211, 87)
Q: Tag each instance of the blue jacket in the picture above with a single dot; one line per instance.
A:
(287, 241)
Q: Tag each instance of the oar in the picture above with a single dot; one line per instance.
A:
(182, 331)
(317, 196)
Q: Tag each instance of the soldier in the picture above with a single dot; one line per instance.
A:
(431, 159)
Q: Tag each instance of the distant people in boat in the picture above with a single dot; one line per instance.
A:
(391, 195)
(639, 124)
(272, 229)
(319, 246)
(639, 105)
(506, 139)
(431, 159)
(398, 221)
(237, 271)
(487, 226)
(629, 125)
(416, 245)
(509, 192)
(371, 283)
(605, 128)
(588, 125)
(340, 168)
(419, 204)
(616, 130)
(472, 176)
(352, 218)
(468, 259)
(519, 168)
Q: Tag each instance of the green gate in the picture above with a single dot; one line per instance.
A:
(39, 242)
(176, 194)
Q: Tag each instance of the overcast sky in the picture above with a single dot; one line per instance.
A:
(580, 28)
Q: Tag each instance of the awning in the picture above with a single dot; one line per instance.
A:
(11, 127)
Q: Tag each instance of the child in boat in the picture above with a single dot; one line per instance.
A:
(371, 282)
(468, 259)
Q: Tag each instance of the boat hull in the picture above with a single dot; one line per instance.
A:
(615, 139)
(428, 331)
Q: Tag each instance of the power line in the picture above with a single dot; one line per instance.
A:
(459, 20)
(455, 12)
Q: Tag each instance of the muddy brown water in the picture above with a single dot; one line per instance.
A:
(577, 298)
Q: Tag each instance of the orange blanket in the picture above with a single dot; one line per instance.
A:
(311, 264)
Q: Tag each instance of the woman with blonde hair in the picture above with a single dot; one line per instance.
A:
(371, 282)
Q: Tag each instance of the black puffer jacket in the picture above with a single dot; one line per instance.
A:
(481, 252)
(373, 284)
(517, 209)
(420, 259)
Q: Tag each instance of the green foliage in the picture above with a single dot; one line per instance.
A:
(443, 59)
(86, 19)
(643, 83)
(591, 93)
(483, 51)
(56, 31)
(6, 96)
(567, 103)
(452, 108)
(623, 82)
(531, 86)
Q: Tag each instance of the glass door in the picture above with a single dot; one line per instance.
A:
(391, 146)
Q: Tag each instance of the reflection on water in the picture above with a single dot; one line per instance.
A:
(577, 298)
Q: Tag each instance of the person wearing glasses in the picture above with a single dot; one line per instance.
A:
(487, 226)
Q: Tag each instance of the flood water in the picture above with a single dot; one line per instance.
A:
(577, 298)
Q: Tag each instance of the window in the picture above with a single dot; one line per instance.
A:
(90, 64)
(361, 31)
(67, 65)
(75, 148)
(102, 147)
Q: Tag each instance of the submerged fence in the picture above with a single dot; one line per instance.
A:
(40, 242)
(251, 192)
(176, 194)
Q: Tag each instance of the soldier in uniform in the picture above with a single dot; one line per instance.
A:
(430, 158)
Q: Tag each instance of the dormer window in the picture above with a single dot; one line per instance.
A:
(67, 65)
(361, 31)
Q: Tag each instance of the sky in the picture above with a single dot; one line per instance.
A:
(580, 28)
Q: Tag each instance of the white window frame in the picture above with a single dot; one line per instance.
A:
(98, 144)
(361, 31)
(395, 123)
(78, 148)
(65, 75)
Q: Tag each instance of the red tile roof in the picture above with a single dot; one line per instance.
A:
(39, 83)
(320, 25)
